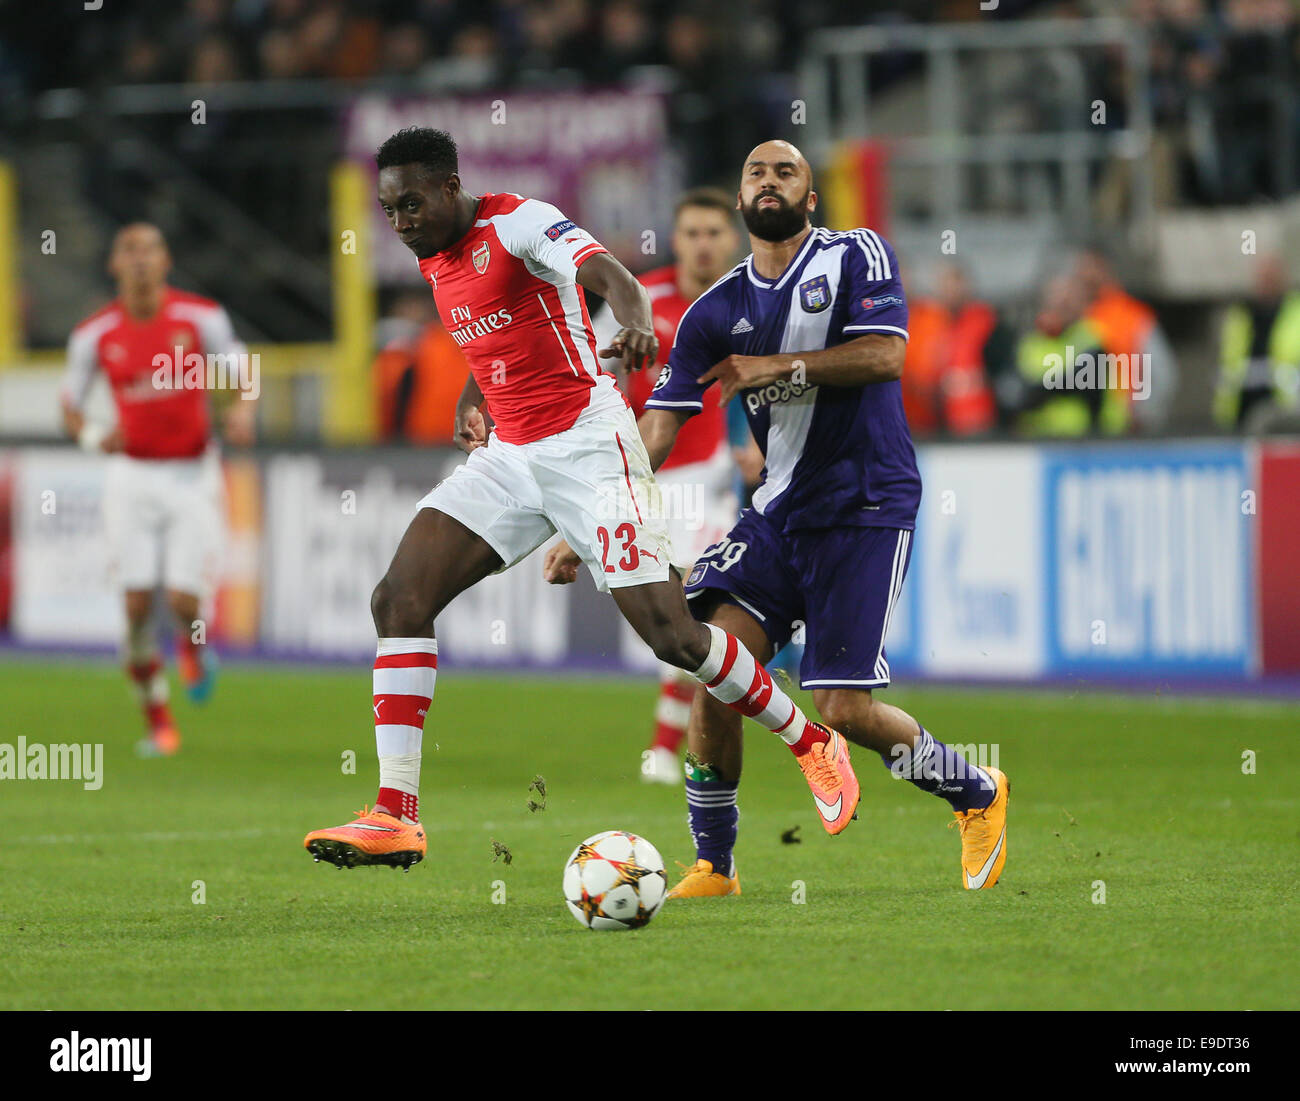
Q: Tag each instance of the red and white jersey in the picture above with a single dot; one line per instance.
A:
(703, 435)
(156, 422)
(507, 294)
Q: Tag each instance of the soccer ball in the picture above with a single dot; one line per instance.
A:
(615, 880)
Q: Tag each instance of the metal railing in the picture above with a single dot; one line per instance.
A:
(835, 75)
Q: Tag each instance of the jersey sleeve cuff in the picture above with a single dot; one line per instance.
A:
(895, 329)
(584, 254)
(654, 403)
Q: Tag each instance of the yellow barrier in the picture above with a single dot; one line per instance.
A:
(11, 335)
(349, 403)
(342, 366)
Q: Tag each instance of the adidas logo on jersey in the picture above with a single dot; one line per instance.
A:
(742, 326)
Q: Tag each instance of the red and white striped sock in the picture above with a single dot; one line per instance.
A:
(731, 674)
(405, 671)
(673, 711)
(151, 690)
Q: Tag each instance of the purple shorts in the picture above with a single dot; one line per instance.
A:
(841, 584)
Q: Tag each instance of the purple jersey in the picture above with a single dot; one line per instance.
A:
(836, 455)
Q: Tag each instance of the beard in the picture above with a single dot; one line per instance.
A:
(778, 223)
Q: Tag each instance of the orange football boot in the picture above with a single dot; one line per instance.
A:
(373, 838)
(701, 881)
(834, 786)
(984, 836)
(164, 740)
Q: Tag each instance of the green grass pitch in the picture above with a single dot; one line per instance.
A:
(1146, 795)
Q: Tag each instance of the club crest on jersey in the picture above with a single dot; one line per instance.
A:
(560, 227)
(481, 255)
(815, 294)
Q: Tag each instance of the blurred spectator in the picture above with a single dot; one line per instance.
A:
(952, 340)
(628, 40)
(1257, 98)
(1056, 389)
(214, 61)
(405, 49)
(1129, 328)
(1186, 51)
(1259, 359)
(418, 374)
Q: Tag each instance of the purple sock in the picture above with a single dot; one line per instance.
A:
(942, 771)
(713, 817)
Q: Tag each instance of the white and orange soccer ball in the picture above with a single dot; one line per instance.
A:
(615, 880)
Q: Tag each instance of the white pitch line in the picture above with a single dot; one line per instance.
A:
(86, 838)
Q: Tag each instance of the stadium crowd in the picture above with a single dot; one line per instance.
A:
(1221, 86)
(1222, 89)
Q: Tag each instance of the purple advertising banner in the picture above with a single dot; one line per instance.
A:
(603, 158)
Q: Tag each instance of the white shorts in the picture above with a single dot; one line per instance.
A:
(699, 505)
(592, 483)
(163, 521)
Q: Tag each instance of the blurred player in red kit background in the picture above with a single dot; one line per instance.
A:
(163, 489)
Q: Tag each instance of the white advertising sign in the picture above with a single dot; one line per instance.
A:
(979, 549)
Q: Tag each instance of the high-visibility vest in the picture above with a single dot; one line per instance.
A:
(1123, 321)
(968, 405)
(1283, 353)
(1067, 412)
(440, 371)
(944, 380)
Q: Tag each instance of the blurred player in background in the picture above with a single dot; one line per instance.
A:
(563, 455)
(809, 332)
(700, 470)
(162, 496)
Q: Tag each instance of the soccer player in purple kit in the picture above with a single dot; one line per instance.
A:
(809, 333)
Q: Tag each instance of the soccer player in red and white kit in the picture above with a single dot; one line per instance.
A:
(565, 455)
(162, 491)
(697, 479)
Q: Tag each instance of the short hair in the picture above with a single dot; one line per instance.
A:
(433, 150)
(706, 198)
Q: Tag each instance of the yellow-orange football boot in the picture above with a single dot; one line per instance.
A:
(984, 836)
(372, 838)
(834, 786)
(701, 881)
(164, 740)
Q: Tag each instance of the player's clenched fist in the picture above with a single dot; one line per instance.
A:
(637, 347)
(560, 567)
(471, 429)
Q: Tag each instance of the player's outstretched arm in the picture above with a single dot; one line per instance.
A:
(635, 343)
(876, 357)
